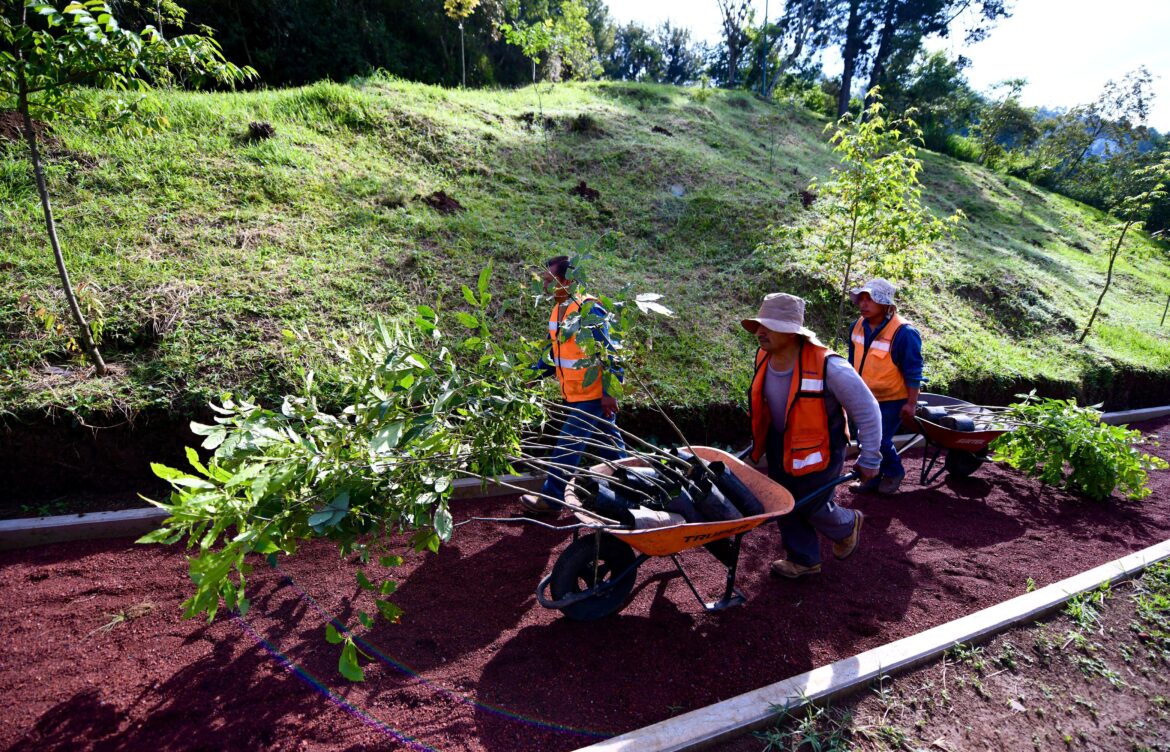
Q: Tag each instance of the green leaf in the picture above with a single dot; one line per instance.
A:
(388, 587)
(332, 636)
(469, 321)
(193, 459)
(386, 438)
(591, 374)
(364, 582)
(389, 611)
(366, 620)
(442, 484)
(390, 561)
(348, 664)
(444, 525)
(485, 276)
(469, 296)
(319, 520)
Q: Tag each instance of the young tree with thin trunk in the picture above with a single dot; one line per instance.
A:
(459, 10)
(868, 219)
(1147, 186)
(47, 57)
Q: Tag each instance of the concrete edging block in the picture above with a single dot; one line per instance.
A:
(22, 533)
(754, 710)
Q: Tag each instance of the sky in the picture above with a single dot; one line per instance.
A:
(1066, 49)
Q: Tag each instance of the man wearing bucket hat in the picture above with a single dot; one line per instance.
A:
(887, 351)
(797, 395)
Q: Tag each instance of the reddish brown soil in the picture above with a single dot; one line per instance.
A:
(442, 203)
(585, 192)
(488, 668)
(1048, 685)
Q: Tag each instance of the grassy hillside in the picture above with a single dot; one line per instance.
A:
(203, 246)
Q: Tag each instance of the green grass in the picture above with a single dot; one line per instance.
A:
(202, 247)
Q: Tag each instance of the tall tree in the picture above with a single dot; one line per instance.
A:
(874, 31)
(801, 31)
(1004, 124)
(734, 16)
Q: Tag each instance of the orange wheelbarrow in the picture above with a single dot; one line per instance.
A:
(593, 576)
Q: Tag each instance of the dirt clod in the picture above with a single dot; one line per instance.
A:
(660, 129)
(12, 128)
(807, 198)
(260, 130)
(585, 192)
(442, 203)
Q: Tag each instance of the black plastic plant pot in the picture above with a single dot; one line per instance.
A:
(588, 564)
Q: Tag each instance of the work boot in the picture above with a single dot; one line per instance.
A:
(864, 486)
(843, 548)
(889, 485)
(792, 570)
(534, 504)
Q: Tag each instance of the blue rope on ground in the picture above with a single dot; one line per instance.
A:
(403, 668)
(320, 687)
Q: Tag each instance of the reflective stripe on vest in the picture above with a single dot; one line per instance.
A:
(806, 429)
(874, 363)
(566, 355)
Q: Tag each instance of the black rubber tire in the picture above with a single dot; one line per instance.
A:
(961, 464)
(574, 572)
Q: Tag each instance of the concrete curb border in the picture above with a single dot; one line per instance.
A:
(755, 710)
(37, 531)
(126, 523)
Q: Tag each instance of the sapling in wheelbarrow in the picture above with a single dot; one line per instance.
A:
(418, 406)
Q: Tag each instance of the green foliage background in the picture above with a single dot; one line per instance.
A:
(205, 246)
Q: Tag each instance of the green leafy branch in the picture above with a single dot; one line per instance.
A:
(1068, 446)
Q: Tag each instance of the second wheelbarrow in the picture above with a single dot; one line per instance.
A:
(593, 576)
(965, 441)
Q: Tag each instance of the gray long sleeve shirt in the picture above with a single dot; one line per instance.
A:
(843, 388)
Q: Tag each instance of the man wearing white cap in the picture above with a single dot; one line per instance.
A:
(797, 395)
(887, 351)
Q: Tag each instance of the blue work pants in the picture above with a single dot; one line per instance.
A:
(891, 421)
(582, 436)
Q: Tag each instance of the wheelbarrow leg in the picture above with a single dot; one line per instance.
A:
(728, 555)
(930, 452)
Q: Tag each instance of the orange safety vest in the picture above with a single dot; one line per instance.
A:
(806, 428)
(566, 354)
(874, 363)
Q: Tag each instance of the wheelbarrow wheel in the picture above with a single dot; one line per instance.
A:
(961, 464)
(588, 564)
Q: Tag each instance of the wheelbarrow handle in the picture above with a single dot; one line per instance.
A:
(808, 498)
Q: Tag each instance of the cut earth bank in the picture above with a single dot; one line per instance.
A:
(95, 656)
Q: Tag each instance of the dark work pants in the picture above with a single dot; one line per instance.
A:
(799, 528)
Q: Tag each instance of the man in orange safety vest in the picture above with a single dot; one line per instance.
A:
(590, 428)
(887, 351)
(800, 393)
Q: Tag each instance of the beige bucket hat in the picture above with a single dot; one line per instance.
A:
(783, 313)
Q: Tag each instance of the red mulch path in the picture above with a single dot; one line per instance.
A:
(489, 669)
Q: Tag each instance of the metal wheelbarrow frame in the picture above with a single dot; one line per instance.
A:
(966, 451)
